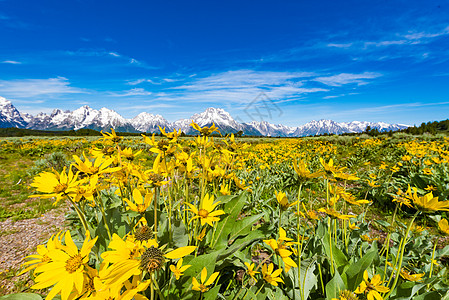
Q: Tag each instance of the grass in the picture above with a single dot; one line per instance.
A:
(15, 201)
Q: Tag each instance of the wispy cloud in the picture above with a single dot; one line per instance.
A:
(420, 36)
(346, 45)
(131, 92)
(25, 88)
(111, 54)
(156, 81)
(12, 62)
(242, 87)
(411, 44)
(347, 78)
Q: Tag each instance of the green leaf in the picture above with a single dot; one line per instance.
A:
(407, 290)
(428, 296)
(308, 278)
(180, 236)
(334, 286)
(338, 256)
(224, 227)
(354, 274)
(240, 226)
(212, 293)
(241, 243)
(199, 262)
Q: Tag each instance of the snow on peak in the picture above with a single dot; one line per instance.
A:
(214, 115)
(4, 101)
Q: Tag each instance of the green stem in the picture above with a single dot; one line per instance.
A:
(80, 214)
(156, 196)
(259, 290)
(158, 290)
(321, 279)
(433, 257)
(298, 238)
(401, 255)
(104, 220)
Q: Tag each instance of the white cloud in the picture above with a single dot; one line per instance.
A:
(136, 82)
(347, 45)
(115, 54)
(131, 92)
(170, 80)
(426, 35)
(142, 80)
(24, 88)
(12, 62)
(386, 43)
(242, 87)
(347, 78)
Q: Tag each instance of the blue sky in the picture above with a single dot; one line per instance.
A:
(341, 60)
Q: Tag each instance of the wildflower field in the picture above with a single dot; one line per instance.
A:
(225, 218)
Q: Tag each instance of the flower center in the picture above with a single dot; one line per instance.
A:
(203, 288)
(141, 208)
(152, 259)
(45, 258)
(60, 188)
(93, 170)
(143, 233)
(74, 263)
(203, 213)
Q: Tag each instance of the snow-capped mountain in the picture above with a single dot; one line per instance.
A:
(319, 127)
(268, 129)
(10, 116)
(217, 116)
(83, 117)
(104, 119)
(145, 122)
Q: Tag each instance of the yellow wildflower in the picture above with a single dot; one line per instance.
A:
(202, 287)
(427, 202)
(129, 258)
(280, 246)
(206, 213)
(66, 268)
(140, 204)
(111, 136)
(56, 184)
(372, 288)
(283, 200)
(270, 276)
(411, 277)
(178, 269)
(251, 272)
(335, 214)
(444, 226)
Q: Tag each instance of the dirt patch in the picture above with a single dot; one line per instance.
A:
(19, 239)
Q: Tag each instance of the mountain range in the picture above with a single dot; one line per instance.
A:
(104, 119)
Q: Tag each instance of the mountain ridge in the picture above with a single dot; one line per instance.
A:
(104, 119)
